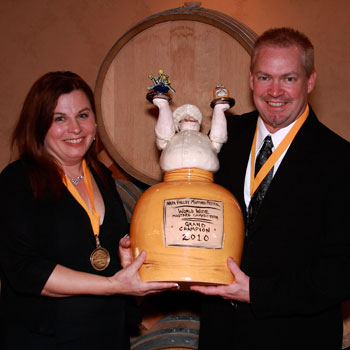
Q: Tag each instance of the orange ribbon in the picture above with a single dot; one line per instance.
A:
(256, 181)
(93, 214)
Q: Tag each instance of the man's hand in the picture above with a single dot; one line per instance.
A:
(125, 253)
(238, 290)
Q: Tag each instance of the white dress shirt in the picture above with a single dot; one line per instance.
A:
(277, 138)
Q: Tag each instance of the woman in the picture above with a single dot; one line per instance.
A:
(63, 285)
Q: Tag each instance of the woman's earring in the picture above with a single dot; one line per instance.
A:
(95, 135)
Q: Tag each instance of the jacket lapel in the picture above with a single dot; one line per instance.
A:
(288, 168)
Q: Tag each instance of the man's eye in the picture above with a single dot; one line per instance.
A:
(290, 79)
(263, 78)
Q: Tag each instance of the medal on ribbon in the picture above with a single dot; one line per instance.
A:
(100, 256)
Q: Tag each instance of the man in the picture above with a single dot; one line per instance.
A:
(295, 267)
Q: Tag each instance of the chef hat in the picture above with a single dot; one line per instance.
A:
(184, 111)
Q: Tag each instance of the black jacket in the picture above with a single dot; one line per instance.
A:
(297, 254)
(35, 236)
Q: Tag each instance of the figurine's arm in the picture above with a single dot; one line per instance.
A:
(165, 127)
(218, 131)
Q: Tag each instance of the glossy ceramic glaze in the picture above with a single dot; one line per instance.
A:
(186, 205)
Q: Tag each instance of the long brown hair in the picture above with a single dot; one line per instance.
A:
(34, 122)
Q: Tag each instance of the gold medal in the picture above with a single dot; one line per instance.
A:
(100, 258)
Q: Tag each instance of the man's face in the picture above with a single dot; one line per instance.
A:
(280, 86)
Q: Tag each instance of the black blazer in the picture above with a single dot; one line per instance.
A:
(35, 236)
(297, 253)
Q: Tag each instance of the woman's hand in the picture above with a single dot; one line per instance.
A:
(65, 282)
(128, 281)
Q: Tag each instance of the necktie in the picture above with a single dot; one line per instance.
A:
(259, 194)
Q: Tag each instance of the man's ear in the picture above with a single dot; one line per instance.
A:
(311, 81)
(251, 81)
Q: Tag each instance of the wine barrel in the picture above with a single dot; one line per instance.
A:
(346, 325)
(171, 332)
(198, 48)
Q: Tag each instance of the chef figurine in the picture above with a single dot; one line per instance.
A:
(179, 137)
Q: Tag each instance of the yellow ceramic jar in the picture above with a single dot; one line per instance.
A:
(189, 226)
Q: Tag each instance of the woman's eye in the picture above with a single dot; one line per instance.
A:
(59, 119)
(83, 115)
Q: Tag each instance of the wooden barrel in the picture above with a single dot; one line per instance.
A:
(171, 332)
(346, 325)
(198, 48)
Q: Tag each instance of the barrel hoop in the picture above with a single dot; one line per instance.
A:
(179, 337)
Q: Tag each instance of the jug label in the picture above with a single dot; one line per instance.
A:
(193, 222)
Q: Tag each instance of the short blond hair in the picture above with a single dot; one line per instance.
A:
(286, 37)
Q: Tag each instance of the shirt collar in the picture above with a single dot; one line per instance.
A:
(276, 137)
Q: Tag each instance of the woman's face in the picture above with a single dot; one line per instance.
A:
(72, 130)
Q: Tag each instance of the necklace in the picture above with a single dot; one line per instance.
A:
(76, 180)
